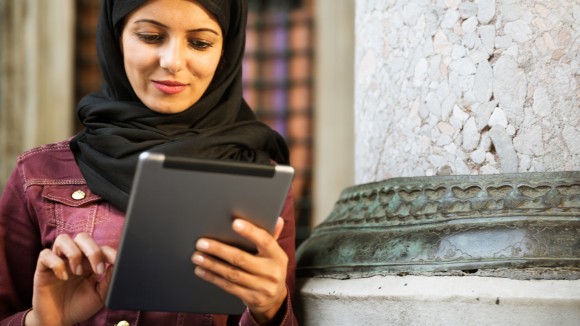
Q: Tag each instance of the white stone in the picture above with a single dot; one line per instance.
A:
(411, 13)
(487, 36)
(469, 25)
(442, 91)
(478, 56)
(433, 105)
(519, 31)
(525, 163)
(529, 141)
(542, 105)
(498, 118)
(485, 10)
(445, 128)
(510, 88)
(503, 41)
(470, 40)
(504, 147)
(511, 11)
(485, 142)
(470, 135)
(477, 156)
(467, 9)
(482, 114)
(463, 66)
(436, 160)
(441, 43)
(489, 169)
(571, 136)
(460, 167)
(451, 17)
(444, 140)
(447, 107)
(490, 159)
(511, 130)
(420, 72)
(458, 51)
(452, 4)
(542, 10)
(513, 51)
(458, 117)
(483, 84)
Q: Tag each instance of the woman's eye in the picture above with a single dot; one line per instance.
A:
(200, 45)
(150, 37)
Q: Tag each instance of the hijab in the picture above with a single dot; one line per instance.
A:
(118, 126)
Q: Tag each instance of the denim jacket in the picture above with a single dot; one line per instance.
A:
(47, 195)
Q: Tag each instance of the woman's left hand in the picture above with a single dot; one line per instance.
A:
(258, 280)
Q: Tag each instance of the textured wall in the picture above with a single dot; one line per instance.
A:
(466, 87)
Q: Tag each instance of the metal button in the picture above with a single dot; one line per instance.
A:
(78, 195)
(123, 323)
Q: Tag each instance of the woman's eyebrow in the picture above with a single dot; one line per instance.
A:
(154, 22)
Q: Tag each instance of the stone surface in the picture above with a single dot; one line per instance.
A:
(438, 301)
(427, 67)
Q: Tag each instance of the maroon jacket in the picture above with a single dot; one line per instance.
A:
(36, 206)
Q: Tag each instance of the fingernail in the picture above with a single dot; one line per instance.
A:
(199, 272)
(202, 244)
(100, 268)
(64, 276)
(79, 270)
(198, 259)
(239, 225)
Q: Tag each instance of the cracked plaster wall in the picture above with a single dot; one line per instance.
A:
(466, 87)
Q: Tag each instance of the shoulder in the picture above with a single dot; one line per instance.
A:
(49, 162)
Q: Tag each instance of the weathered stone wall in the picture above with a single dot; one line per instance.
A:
(466, 87)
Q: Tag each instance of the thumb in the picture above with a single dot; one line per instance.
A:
(278, 228)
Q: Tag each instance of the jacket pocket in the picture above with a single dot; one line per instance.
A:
(73, 208)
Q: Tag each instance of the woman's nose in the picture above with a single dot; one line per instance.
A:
(172, 57)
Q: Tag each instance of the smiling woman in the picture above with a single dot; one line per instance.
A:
(172, 84)
(173, 57)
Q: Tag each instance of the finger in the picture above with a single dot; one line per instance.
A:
(49, 261)
(226, 285)
(226, 271)
(229, 254)
(278, 228)
(92, 251)
(265, 243)
(110, 254)
(65, 246)
(103, 285)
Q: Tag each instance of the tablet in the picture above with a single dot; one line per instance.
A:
(175, 201)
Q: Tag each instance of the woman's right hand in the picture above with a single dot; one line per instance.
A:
(71, 281)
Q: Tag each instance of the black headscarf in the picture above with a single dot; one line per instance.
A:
(118, 126)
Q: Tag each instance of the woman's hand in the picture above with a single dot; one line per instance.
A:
(258, 280)
(71, 281)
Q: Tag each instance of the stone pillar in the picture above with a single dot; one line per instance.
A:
(466, 87)
(36, 88)
(467, 114)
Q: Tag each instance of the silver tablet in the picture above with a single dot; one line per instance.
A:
(174, 202)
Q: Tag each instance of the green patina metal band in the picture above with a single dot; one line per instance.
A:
(449, 223)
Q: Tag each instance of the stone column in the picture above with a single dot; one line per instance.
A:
(466, 87)
(467, 114)
(36, 88)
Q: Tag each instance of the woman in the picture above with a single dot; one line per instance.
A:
(172, 71)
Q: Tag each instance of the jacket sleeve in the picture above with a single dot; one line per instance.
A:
(287, 241)
(19, 248)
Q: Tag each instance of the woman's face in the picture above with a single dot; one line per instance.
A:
(171, 50)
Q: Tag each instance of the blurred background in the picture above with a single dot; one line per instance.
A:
(298, 78)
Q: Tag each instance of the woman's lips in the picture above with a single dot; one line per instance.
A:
(169, 86)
